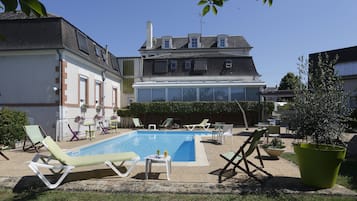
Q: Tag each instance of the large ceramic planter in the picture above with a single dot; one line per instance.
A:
(273, 152)
(319, 164)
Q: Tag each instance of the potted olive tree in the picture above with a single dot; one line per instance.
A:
(320, 115)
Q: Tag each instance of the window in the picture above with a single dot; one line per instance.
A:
(166, 44)
(98, 51)
(160, 67)
(115, 97)
(83, 90)
(237, 93)
(206, 94)
(144, 95)
(222, 42)
(187, 66)
(221, 94)
(158, 94)
(228, 63)
(194, 43)
(189, 94)
(252, 94)
(82, 42)
(98, 92)
(173, 65)
(174, 94)
(200, 66)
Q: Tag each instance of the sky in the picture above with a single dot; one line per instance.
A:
(279, 34)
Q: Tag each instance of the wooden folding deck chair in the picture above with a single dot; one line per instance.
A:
(105, 130)
(75, 134)
(235, 158)
(2, 154)
(35, 135)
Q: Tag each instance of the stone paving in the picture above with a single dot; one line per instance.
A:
(15, 174)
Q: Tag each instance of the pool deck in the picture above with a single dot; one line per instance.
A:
(15, 174)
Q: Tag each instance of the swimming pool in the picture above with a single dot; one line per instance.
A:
(180, 145)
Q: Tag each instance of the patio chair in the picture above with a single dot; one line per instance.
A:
(204, 125)
(35, 135)
(235, 158)
(66, 163)
(75, 134)
(105, 130)
(167, 123)
(138, 123)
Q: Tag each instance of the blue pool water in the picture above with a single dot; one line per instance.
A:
(179, 144)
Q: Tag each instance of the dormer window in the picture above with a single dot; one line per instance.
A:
(222, 41)
(194, 40)
(166, 42)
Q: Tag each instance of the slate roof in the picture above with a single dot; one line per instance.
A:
(23, 32)
(344, 54)
(207, 42)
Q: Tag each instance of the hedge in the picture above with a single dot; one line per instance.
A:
(11, 126)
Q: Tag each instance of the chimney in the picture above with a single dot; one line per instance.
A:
(149, 36)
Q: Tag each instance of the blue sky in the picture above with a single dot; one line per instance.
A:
(278, 34)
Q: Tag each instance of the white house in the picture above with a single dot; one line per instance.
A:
(49, 68)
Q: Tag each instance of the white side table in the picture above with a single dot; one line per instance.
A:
(152, 126)
(157, 159)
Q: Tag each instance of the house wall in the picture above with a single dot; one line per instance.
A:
(26, 84)
(74, 67)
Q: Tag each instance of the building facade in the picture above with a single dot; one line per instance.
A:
(346, 68)
(196, 68)
(49, 69)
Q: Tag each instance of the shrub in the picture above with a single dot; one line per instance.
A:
(11, 126)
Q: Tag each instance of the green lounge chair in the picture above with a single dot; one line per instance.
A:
(204, 125)
(67, 163)
(167, 123)
(137, 123)
(35, 135)
(235, 158)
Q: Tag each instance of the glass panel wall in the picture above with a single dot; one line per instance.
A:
(237, 93)
(252, 94)
(221, 94)
(206, 94)
(158, 94)
(174, 94)
(144, 95)
(189, 94)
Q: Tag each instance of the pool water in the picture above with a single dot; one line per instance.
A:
(179, 144)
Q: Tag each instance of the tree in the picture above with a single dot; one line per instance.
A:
(37, 8)
(290, 81)
(27, 6)
(213, 4)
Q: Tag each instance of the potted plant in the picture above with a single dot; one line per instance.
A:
(98, 108)
(320, 115)
(274, 148)
(84, 108)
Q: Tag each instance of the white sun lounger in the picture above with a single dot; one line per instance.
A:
(67, 163)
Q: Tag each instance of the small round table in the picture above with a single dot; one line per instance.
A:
(157, 159)
(152, 126)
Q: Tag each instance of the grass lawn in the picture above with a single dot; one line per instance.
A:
(348, 171)
(88, 196)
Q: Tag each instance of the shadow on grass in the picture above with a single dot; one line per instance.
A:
(349, 169)
(33, 183)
